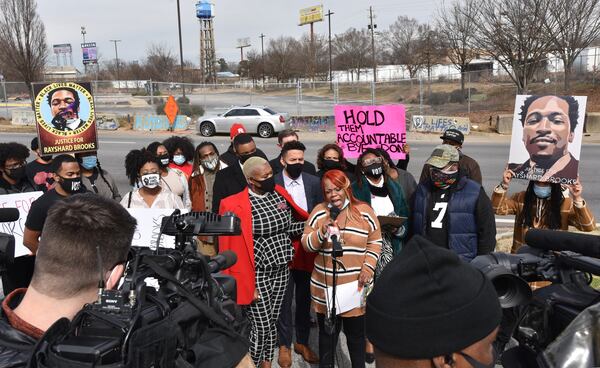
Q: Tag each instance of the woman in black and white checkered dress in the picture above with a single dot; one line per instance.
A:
(274, 221)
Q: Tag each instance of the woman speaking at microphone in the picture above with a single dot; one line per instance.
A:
(360, 238)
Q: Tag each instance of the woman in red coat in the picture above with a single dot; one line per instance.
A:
(269, 219)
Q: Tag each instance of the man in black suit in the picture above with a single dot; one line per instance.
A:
(285, 136)
(305, 189)
(231, 180)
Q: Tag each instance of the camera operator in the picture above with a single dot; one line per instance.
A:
(429, 309)
(542, 206)
(66, 270)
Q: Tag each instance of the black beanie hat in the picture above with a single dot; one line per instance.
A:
(429, 303)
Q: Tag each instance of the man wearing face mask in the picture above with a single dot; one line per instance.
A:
(542, 206)
(231, 180)
(270, 221)
(452, 211)
(13, 178)
(305, 190)
(229, 157)
(67, 175)
(39, 170)
(94, 177)
(284, 137)
(431, 310)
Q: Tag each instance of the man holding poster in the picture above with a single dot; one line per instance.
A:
(551, 134)
(362, 127)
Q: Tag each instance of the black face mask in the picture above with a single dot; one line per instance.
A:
(46, 158)
(244, 158)
(294, 170)
(163, 160)
(267, 185)
(331, 165)
(72, 185)
(374, 170)
(16, 174)
(477, 364)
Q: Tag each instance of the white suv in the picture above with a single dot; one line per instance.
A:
(260, 119)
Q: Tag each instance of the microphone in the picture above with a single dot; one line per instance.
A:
(9, 214)
(584, 244)
(222, 261)
(337, 250)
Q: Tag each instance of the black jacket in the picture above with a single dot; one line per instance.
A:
(230, 158)
(228, 181)
(15, 346)
(277, 167)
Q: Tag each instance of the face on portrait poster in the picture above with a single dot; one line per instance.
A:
(546, 138)
(65, 117)
(361, 127)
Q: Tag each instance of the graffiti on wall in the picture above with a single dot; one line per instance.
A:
(160, 122)
(312, 123)
(439, 124)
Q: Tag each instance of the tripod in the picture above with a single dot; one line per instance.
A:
(336, 251)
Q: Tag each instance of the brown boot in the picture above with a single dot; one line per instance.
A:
(308, 355)
(285, 357)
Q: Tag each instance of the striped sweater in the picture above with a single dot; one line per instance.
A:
(361, 240)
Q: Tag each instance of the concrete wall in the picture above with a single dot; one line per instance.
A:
(439, 124)
(592, 122)
(23, 117)
(504, 124)
(160, 122)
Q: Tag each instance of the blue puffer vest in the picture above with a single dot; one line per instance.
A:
(462, 224)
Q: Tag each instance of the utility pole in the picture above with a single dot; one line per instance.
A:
(372, 28)
(117, 59)
(262, 57)
(329, 14)
(83, 32)
(180, 50)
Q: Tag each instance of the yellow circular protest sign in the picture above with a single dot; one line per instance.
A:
(64, 108)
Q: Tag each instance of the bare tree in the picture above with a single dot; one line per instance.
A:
(572, 26)
(22, 39)
(280, 59)
(431, 49)
(352, 50)
(315, 59)
(403, 41)
(160, 62)
(457, 28)
(514, 33)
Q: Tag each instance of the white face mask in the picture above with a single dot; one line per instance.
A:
(210, 164)
(150, 181)
(179, 159)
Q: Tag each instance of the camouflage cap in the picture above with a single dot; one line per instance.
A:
(442, 155)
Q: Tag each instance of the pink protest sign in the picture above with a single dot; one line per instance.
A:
(361, 127)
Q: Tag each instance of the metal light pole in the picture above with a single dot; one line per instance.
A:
(83, 32)
(329, 14)
(180, 49)
(117, 59)
(262, 57)
(372, 28)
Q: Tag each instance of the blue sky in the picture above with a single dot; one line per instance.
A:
(139, 23)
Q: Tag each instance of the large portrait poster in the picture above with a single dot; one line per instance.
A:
(65, 117)
(361, 127)
(546, 138)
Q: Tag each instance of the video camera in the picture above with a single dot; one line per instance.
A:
(173, 308)
(564, 263)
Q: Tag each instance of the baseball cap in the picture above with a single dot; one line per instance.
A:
(442, 155)
(454, 135)
(236, 129)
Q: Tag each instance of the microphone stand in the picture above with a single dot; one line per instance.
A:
(336, 251)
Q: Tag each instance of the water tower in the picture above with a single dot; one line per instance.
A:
(205, 12)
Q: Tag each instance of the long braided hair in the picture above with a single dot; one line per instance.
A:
(552, 217)
(101, 172)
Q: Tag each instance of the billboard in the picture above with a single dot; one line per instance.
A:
(90, 53)
(62, 48)
(65, 117)
(311, 15)
(205, 10)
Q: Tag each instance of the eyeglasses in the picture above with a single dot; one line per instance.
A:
(371, 161)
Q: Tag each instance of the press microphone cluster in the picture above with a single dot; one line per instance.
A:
(560, 241)
(337, 250)
(9, 214)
